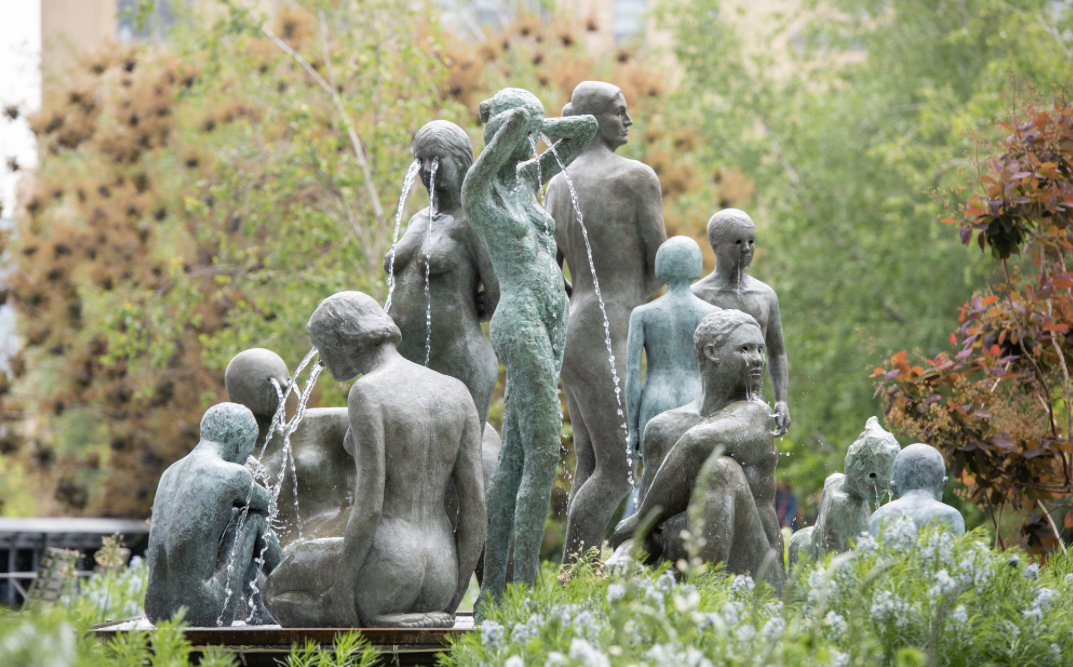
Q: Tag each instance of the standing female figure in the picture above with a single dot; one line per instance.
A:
(528, 329)
(458, 265)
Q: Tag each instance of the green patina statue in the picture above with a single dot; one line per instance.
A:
(844, 503)
(528, 329)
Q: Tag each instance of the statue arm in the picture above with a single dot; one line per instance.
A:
(673, 483)
(575, 133)
(489, 298)
(650, 228)
(468, 476)
(495, 155)
(368, 427)
(635, 343)
(779, 368)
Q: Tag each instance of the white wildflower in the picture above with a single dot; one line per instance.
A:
(731, 612)
(555, 658)
(900, 534)
(836, 625)
(615, 592)
(959, 615)
(745, 633)
(666, 581)
(741, 585)
(1044, 598)
(944, 585)
(1031, 571)
(514, 661)
(587, 654)
(523, 632)
(491, 633)
(773, 629)
(866, 545)
(887, 607)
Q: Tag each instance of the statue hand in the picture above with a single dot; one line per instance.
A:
(782, 418)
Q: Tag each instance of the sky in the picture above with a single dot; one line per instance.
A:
(20, 84)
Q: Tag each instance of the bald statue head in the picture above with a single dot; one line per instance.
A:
(870, 460)
(606, 102)
(248, 380)
(732, 234)
(679, 260)
(919, 467)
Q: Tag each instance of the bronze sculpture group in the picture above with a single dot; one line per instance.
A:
(395, 497)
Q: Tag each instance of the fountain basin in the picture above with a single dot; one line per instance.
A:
(270, 644)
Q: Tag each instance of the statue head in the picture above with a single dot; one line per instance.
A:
(730, 352)
(870, 461)
(346, 328)
(732, 234)
(919, 467)
(233, 427)
(444, 140)
(506, 100)
(248, 380)
(606, 102)
(679, 260)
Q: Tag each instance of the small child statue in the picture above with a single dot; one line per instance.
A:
(732, 234)
(844, 504)
(919, 480)
(209, 528)
(664, 330)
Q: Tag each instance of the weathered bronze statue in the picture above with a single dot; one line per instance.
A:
(400, 562)
(726, 422)
(732, 234)
(621, 204)
(528, 329)
(458, 267)
(209, 526)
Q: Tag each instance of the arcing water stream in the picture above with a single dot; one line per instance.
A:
(600, 300)
(428, 256)
(259, 472)
(407, 183)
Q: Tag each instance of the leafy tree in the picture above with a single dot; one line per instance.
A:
(999, 406)
(846, 116)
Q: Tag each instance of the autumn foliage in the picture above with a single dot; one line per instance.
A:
(998, 405)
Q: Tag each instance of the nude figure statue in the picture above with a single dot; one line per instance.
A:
(741, 528)
(919, 480)
(528, 329)
(844, 503)
(324, 469)
(412, 430)
(459, 265)
(209, 514)
(732, 234)
(621, 204)
(663, 330)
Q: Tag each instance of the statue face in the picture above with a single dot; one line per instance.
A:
(614, 122)
(449, 174)
(735, 245)
(739, 361)
(340, 361)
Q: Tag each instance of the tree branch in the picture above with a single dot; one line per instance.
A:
(355, 141)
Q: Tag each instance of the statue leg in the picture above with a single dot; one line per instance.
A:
(240, 545)
(583, 453)
(502, 498)
(537, 397)
(432, 619)
(733, 528)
